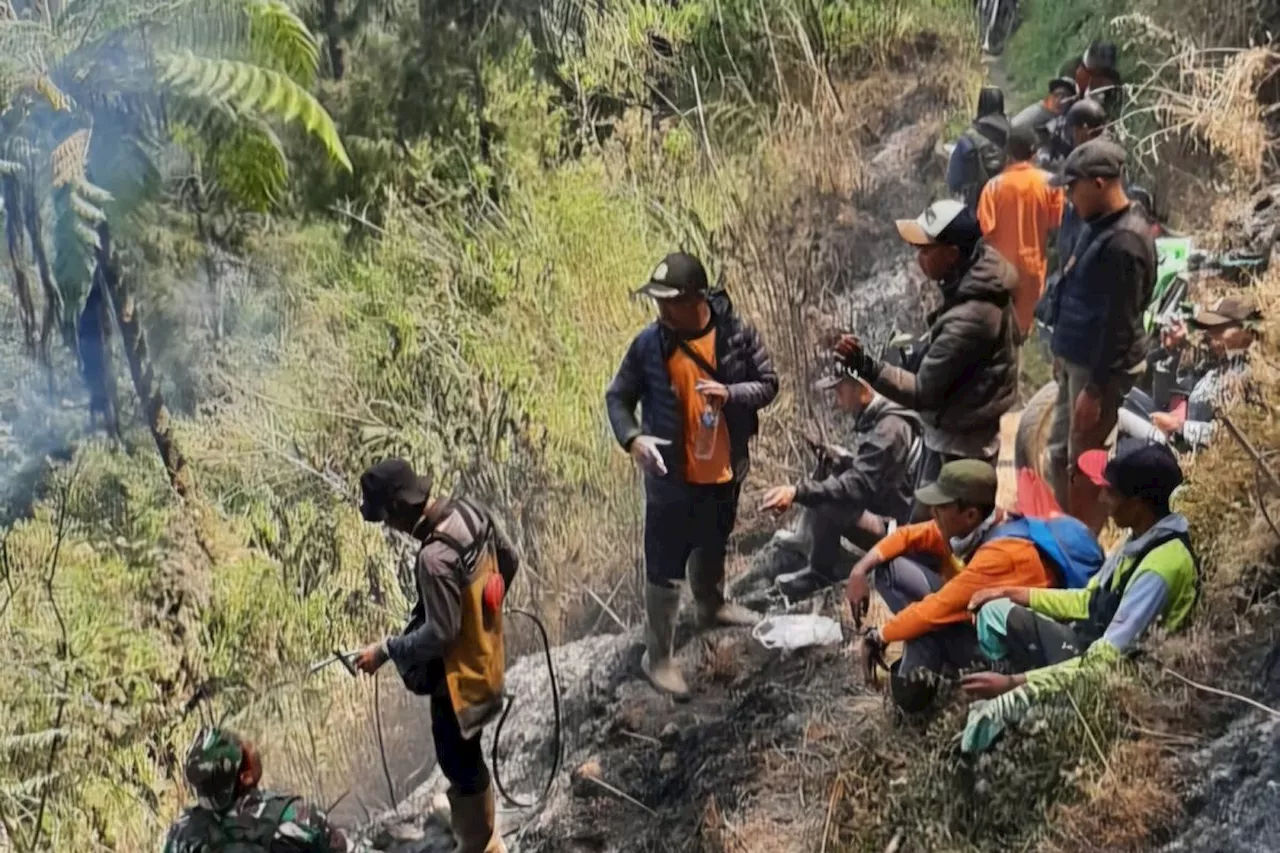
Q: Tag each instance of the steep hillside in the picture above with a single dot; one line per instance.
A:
(459, 297)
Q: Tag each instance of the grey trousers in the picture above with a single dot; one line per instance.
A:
(903, 582)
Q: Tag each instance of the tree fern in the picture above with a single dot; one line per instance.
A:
(251, 91)
(282, 41)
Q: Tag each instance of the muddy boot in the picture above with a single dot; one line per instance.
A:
(706, 582)
(661, 605)
(474, 824)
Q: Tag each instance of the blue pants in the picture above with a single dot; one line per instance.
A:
(680, 518)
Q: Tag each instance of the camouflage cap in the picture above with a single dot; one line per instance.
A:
(212, 767)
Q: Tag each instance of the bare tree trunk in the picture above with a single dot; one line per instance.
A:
(53, 304)
(145, 381)
(333, 39)
(15, 240)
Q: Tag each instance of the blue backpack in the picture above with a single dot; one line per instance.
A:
(1065, 543)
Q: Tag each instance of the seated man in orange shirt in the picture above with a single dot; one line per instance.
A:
(1017, 211)
(930, 607)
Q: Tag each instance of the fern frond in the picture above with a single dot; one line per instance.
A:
(250, 167)
(88, 236)
(59, 101)
(92, 192)
(28, 44)
(86, 210)
(67, 160)
(253, 92)
(266, 33)
(282, 41)
(27, 787)
(30, 740)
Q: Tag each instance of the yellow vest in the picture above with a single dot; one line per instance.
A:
(475, 665)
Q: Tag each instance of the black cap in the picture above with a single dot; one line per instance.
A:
(391, 481)
(1022, 143)
(1099, 158)
(1086, 112)
(679, 274)
(838, 373)
(1063, 84)
(1150, 472)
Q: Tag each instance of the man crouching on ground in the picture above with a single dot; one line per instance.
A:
(931, 607)
(700, 374)
(452, 649)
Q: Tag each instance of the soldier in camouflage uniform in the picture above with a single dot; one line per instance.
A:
(234, 816)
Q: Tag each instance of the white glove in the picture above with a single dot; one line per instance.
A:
(644, 449)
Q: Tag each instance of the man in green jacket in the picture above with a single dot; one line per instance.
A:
(1050, 636)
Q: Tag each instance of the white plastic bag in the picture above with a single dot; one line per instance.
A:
(797, 631)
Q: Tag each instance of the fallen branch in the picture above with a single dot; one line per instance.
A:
(618, 793)
(896, 844)
(836, 788)
(1217, 692)
(638, 736)
(1248, 447)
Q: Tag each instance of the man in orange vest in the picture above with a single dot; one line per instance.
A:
(1017, 211)
(452, 649)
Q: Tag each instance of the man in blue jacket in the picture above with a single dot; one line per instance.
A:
(699, 374)
(1099, 341)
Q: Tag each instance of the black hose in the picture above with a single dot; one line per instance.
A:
(555, 704)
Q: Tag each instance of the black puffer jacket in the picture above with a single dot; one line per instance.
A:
(968, 375)
(742, 365)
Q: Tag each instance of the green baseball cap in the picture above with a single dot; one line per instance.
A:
(969, 480)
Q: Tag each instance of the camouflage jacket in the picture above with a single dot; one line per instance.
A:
(258, 822)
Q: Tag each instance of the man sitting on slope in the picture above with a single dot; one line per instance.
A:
(931, 607)
(1050, 636)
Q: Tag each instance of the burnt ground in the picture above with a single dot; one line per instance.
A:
(749, 757)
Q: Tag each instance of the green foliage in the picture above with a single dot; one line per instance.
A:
(249, 91)
(1055, 33)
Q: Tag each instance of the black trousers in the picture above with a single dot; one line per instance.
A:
(901, 583)
(461, 760)
(1032, 641)
(680, 518)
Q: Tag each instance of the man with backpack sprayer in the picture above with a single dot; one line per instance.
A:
(233, 813)
(452, 649)
(978, 547)
(1051, 636)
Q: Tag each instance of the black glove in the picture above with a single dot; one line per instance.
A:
(853, 356)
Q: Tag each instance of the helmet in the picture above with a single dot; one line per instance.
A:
(1086, 112)
(212, 767)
